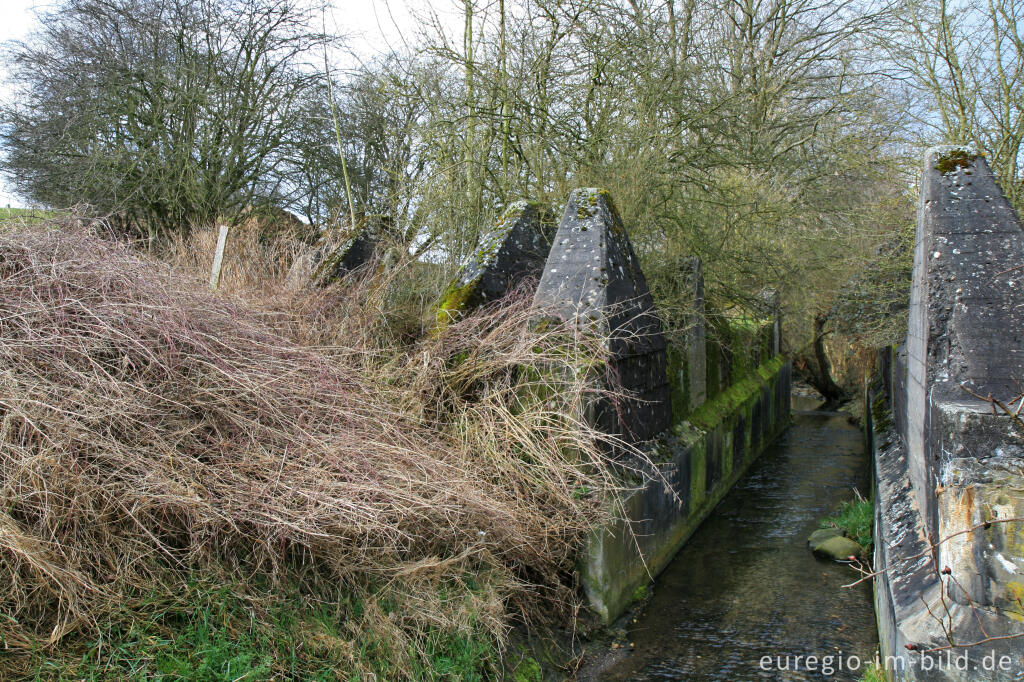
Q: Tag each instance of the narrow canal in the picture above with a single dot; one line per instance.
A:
(745, 586)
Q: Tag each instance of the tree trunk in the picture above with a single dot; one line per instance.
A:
(816, 369)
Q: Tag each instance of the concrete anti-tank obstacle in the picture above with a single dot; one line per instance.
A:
(351, 255)
(947, 462)
(593, 279)
(687, 358)
(515, 250)
(326, 263)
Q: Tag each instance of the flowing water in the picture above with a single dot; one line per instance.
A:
(746, 586)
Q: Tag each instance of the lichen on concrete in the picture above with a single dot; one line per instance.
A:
(513, 251)
(593, 280)
(355, 252)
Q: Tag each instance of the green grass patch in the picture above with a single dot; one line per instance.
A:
(874, 673)
(215, 633)
(528, 670)
(856, 518)
(26, 215)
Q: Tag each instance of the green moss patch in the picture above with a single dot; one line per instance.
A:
(678, 375)
(713, 412)
(880, 413)
(953, 160)
(528, 670)
(456, 300)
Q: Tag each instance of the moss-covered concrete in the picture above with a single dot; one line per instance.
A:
(686, 351)
(699, 461)
(678, 377)
(458, 298)
(514, 250)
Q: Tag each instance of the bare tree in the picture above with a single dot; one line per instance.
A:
(164, 112)
(965, 61)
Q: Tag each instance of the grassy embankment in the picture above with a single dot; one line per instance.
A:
(271, 482)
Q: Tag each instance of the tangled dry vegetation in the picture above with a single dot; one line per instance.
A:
(284, 446)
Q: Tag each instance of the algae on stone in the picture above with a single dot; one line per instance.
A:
(838, 548)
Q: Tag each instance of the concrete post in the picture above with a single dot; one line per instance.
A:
(696, 375)
(770, 300)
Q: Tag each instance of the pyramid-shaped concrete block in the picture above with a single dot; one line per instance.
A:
(352, 254)
(593, 279)
(515, 250)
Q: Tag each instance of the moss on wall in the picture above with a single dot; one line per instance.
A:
(698, 474)
(714, 367)
(456, 300)
(953, 160)
(748, 342)
(611, 568)
(712, 413)
(678, 381)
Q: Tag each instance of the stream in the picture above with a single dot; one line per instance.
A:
(746, 586)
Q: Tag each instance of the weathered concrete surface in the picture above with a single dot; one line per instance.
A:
(687, 359)
(945, 465)
(772, 312)
(700, 459)
(515, 250)
(593, 279)
(350, 255)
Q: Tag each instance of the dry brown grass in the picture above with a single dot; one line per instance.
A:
(256, 262)
(150, 430)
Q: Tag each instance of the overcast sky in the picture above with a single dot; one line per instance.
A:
(371, 26)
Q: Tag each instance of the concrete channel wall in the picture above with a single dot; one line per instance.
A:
(948, 461)
(705, 407)
(698, 461)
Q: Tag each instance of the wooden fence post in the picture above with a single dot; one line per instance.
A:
(218, 257)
